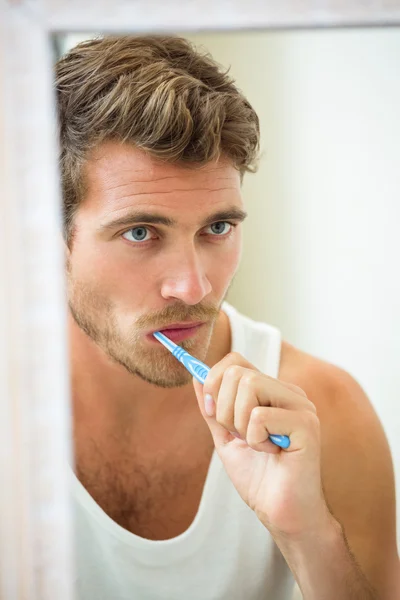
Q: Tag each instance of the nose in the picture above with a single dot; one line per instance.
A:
(186, 279)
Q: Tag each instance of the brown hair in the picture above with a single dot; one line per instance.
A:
(156, 92)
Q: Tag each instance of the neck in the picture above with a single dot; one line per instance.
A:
(108, 401)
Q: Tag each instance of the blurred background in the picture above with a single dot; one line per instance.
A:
(322, 240)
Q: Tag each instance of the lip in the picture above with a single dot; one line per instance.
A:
(184, 325)
(177, 332)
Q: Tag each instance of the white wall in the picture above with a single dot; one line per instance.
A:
(322, 244)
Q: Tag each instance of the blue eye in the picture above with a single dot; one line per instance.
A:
(136, 234)
(220, 230)
(141, 233)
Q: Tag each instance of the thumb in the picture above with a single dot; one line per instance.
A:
(220, 434)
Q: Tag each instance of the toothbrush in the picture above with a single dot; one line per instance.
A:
(200, 371)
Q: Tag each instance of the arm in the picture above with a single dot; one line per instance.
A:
(334, 480)
(324, 567)
(358, 480)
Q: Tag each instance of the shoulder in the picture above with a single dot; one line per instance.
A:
(332, 389)
(349, 423)
(356, 463)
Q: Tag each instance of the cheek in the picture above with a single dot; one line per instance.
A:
(222, 270)
(125, 283)
(233, 254)
(99, 268)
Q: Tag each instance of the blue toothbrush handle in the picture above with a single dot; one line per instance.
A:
(200, 371)
(283, 441)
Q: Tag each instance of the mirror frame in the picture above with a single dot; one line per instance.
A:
(35, 421)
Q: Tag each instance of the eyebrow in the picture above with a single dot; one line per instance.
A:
(231, 213)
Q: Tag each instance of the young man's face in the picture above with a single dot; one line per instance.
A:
(128, 276)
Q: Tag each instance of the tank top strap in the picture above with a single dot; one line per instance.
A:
(260, 343)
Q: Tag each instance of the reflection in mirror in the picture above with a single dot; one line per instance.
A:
(293, 308)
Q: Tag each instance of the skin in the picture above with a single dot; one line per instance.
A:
(330, 480)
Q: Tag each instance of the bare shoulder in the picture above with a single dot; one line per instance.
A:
(336, 394)
(350, 428)
(357, 469)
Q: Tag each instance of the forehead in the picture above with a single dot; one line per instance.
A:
(119, 176)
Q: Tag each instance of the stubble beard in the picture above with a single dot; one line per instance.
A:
(96, 317)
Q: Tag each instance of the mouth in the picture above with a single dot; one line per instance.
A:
(177, 331)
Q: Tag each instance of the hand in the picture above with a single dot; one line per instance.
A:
(283, 487)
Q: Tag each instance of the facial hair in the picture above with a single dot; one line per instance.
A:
(96, 316)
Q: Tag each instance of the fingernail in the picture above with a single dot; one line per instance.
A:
(236, 435)
(209, 405)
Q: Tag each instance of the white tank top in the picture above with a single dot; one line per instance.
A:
(225, 554)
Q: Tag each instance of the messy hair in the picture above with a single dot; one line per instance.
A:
(158, 93)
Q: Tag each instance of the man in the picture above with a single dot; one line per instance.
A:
(178, 491)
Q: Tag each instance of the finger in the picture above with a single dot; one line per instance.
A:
(302, 427)
(283, 395)
(227, 396)
(237, 397)
(270, 391)
(298, 390)
(221, 436)
(214, 378)
(246, 401)
(293, 387)
(273, 392)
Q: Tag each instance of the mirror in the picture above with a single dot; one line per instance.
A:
(320, 243)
